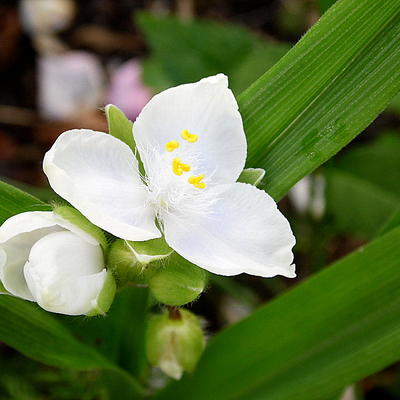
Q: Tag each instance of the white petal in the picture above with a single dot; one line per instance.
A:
(65, 273)
(26, 222)
(98, 175)
(206, 108)
(17, 236)
(243, 232)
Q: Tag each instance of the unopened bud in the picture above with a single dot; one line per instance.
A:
(178, 282)
(129, 260)
(174, 342)
(46, 258)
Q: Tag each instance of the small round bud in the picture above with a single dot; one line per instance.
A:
(178, 282)
(174, 342)
(129, 260)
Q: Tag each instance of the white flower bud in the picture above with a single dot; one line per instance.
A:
(50, 260)
(174, 342)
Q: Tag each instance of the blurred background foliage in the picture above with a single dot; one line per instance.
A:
(58, 73)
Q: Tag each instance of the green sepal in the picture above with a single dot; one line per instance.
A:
(174, 342)
(74, 217)
(177, 281)
(129, 261)
(123, 264)
(254, 176)
(119, 125)
(149, 251)
(105, 297)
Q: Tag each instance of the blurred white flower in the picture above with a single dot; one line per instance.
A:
(69, 83)
(193, 147)
(308, 195)
(46, 259)
(127, 90)
(46, 16)
(349, 393)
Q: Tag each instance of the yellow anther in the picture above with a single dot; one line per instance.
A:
(185, 167)
(172, 145)
(189, 136)
(196, 181)
(179, 168)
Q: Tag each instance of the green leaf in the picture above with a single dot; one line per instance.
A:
(394, 105)
(119, 336)
(324, 5)
(43, 193)
(119, 125)
(333, 329)
(363, 186)
(253, 176)
(392, 222)
(2, 289)
(14, 201)
(263, 55)
(199, 48)
(324, 92)
(203, 48)
(41, 337)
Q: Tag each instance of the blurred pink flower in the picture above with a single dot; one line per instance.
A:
(127, 90)
(69, 83)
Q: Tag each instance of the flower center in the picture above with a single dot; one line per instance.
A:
(178, 167)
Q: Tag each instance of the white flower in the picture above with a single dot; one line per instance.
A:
(45, 258)
(193, 147)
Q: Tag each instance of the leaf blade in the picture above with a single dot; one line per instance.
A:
(324, 92)
(14, 201)
(38, 335)
(284, 351)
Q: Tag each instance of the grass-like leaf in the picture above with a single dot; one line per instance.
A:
(14, 201)
(324, 92)
(363, 186)
(330, 331)
(40, 336)
(36, 333)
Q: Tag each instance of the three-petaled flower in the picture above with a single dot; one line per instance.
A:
(192, 144)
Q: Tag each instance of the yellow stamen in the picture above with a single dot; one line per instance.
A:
(185, 167)
(172, 145)
(196, 181)
(179, 168)
(189, 136)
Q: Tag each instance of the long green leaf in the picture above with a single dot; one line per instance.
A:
(14, 201)
(363, 186)
(339, 326)
(202, 48)
(324, 92)
(37, 334)
(41, 337)
(325, 4)
(120, 337)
